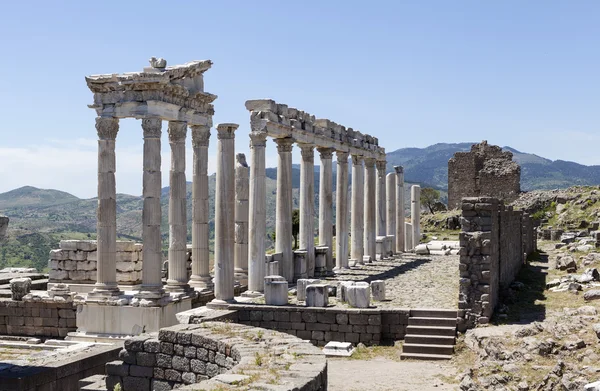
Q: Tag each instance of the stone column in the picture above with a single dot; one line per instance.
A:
(106, 279)
(283, 215)
(326, 205)
(178, 278)
(380, 194)
(224, 215)
(390, 218)
(242, 172)
(307, 206)
(415, 214)
(152, 288)
(400, 219)
(357, 212)
(341, 217)
(370, 209)
(258, 214)
(200, 279)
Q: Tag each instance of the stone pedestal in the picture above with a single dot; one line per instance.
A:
(224, 216)
(342, 290)
(200, 279)
(317, 295)
(378, 290)
(19, 287)
(276, 290)
(178, 276)
(400, 218)
(242, 172)
(381, 247)
(357, 212)
(415, 214)
(283, 215)
(301, 285)
(408, 236)
(326, 205)
(341, 217)
(307, 206)
(370, 210)
(359, 295)
(321, 253)
(258, 213)
(300, 264)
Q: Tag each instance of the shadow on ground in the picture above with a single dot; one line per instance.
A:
(386, 273)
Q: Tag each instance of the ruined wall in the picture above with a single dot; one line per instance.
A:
(43, 318)
(484, 171)
(494, 244)
(196, 355)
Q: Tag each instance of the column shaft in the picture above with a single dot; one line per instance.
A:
(380, 194)
(152, 288)
(390, 218)
(283, 219)
(370, 209)
(106, 280)
(200, 279)
(242, 178)
(225, 214)
(400, 219)
(326, 205)
(307, 206)
(341, 218)
(357, 212)
(258, 213)
(178, 276)
(415, 214)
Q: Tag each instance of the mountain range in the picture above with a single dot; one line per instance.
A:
(42, 217)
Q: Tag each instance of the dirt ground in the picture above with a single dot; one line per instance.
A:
(384, 374)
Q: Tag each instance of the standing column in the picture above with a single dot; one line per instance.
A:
(357, 213)
(369, 209)
(258, 214)
(152, 288)
(390, 218)
(400, 219)
(341, 217)
(415, 214)
(224, 215)
(200, 279)
(380, 194)
(326, 205)
(106, 227)
(283, 215)
(242, 172)
(178, 278)
(307, 206)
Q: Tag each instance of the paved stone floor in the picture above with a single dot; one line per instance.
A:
(412, 280)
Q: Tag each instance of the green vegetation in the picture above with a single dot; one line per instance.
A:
(429, 197)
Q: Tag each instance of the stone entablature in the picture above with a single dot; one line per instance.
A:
(203, 356)
(280, 121)
(172, 93)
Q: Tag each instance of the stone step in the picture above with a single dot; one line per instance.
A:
(421, 356)
(423, 321)
(433, 313)
(427, 349)
(430, 339)
(430, 330)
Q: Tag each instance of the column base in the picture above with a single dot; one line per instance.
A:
(217, 304)
(101, 291)
(151, 297)
(201, 283)
(178, 287)
(241, 276)
(252, 294)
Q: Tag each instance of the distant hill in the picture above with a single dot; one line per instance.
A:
(31, 196)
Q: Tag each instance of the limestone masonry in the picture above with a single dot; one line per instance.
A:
(484, 171)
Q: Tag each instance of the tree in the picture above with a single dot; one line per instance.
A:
(295, 226)
(429, 197)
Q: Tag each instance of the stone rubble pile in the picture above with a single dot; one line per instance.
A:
(438, 247)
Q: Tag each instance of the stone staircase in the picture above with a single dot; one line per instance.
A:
(430, 335)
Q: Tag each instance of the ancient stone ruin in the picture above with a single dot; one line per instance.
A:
(486, 170)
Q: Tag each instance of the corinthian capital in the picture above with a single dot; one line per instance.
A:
(258, 139)
(284, 144)
(307, 151)
(399, 169)
(200, 135)
(369, 162)
(152, 127)
(107, 127)
(342, 157)
(177, 131)
(226, 131)
(381, 165)
(325, 153)
(357, 160)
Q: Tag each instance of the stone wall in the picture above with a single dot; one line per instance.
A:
(199, 356)
(75, 262)
(322, 325)
(41, 318)
(484, 171)
(494, 244)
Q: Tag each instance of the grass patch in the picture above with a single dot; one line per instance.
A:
(371, 352)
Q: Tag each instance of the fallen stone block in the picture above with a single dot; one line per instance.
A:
(359, 296)
(301, 285)
(317, 295)
(378, 290)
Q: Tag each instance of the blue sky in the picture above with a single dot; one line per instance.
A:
(524, 74)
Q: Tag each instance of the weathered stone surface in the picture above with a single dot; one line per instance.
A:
(301, 285)
(378, 290)
(359, 296)
(317, 295)
(593, 294)
(19, 287)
